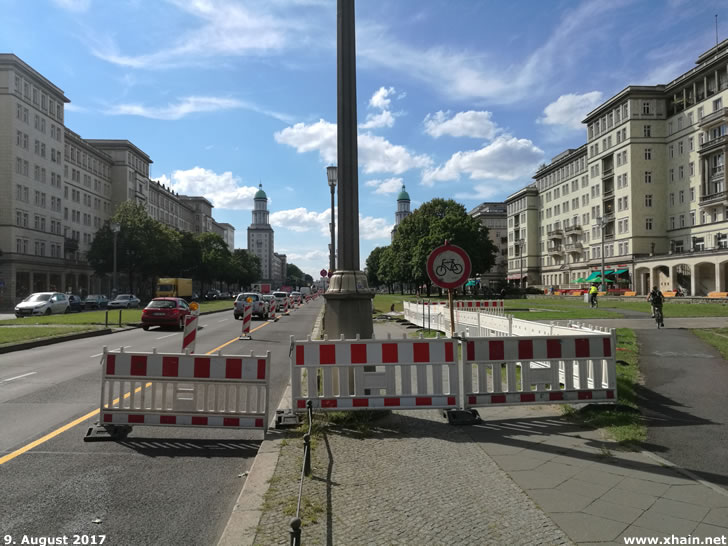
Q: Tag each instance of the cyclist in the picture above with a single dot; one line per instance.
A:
(593, 295)
(656, 299)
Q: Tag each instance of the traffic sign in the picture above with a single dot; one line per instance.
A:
(323, 272)
(331, 274)
(448, 266)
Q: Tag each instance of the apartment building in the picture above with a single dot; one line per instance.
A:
(494, 216)
(261, 242)
(61, 188)
(645, 197)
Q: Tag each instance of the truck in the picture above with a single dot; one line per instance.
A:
(305, 291)
(174, 287)
(262, 288)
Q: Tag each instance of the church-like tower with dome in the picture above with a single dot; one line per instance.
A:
(403, 209)
(261, 241)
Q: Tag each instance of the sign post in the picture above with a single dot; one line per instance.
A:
(448, 266)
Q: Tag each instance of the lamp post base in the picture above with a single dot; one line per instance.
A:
(349, 306)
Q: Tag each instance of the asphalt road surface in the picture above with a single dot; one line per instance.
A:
(684, 401)
(161, 485)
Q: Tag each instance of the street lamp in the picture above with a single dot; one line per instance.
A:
(115, 228)
(521, 243)
(602, 223)
(331, 174)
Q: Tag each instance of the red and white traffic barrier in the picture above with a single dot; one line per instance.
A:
(473, 305)
(189, 335)
(272, 313)
(403, 373)
(247, 318)
(183, 390)
(285, 306)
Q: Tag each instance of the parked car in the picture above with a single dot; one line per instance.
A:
(212, 294)
(125, 301)
(260, 306)
(75, 302)
(280, 297)
(165, 312)
(43, 303)
(95, 301)
(296, 297)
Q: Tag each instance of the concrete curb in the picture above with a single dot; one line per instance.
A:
(242, 526)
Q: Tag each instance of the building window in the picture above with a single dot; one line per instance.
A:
(648, 153)
(717, 104)
(647, 131)
(672, 199)
(648, 224)
(648, 200)
(645, 107)
(682, 196)
(672, 222)
(648, 177)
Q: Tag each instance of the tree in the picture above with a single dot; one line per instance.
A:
(216, 263)
(247, 267)
(296, 277)
(372, 266)
(430, 226)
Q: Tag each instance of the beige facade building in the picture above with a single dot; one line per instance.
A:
(646, 194)
(261, 242)
(494, 217)
(58, 189)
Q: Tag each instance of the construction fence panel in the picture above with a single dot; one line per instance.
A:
(185, 390)
(366, 374)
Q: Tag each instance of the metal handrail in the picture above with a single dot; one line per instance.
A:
(295, 531)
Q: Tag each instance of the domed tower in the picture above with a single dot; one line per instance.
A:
(403, 209)
(260, 234)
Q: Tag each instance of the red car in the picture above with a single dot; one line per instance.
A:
(165, 312)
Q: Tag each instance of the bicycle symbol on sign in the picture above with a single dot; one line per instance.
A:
(448, 265)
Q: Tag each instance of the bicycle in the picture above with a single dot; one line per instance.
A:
(448, 265)
(659, 319)
(593, 301)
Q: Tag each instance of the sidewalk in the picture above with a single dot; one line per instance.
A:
(523, 476)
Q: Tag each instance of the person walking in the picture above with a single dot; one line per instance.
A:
(593, 291)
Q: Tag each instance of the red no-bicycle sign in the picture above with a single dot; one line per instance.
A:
(448, 266)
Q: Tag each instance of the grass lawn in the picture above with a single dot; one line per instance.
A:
(717, 337)
(21, 334)
(624, 422)
(128, 316)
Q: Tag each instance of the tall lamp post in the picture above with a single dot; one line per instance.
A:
(331, 174)
(521, 243)
(115, 228)
(602, 223)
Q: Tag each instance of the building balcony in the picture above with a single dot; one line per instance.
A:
(713, 144)
(609, 215)
(573, 229)
(556, 234)
(719, 198)
(609, 236)
(555, 251)
(715, 116)
(608, 172)
(608, 192)
(70, 245)
(574, 247)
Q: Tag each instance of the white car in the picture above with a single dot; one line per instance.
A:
(43, 303)
(280, 297)
(260, 306)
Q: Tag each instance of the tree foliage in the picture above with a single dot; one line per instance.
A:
(429, 226)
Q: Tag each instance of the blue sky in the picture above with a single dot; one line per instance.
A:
(459, 99)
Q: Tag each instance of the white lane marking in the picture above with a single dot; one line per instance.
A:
(17, 377)
(223, 320)
(168, 335)
(111, 351)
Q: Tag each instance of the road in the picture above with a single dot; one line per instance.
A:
(162, 485)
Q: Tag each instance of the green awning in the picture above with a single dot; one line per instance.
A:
(470, 283)
(593, 276)
(608, 272)
(620, 271)
(599, 279)
(580, 279)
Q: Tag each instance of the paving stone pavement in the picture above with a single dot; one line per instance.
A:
(524, 475)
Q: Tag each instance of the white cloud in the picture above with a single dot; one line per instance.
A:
(78, 6)
(387, 186)
(222, 190)
(569, 110)
(482, 192)
(381, 101)
(499, 79)
(222, 28)
(475, 124)
(302, 220)
(70, 107)
(190, 105)
(376, 154)
(506, 158)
